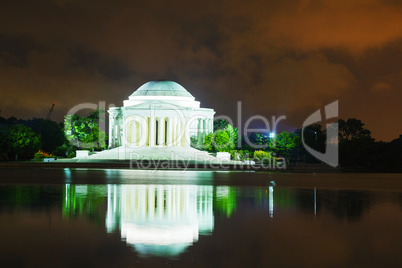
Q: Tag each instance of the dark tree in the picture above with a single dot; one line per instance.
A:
(356, 147)
(314, 137)
(50, 131)
(352, 129)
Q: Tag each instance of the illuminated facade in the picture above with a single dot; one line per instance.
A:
(160, 119)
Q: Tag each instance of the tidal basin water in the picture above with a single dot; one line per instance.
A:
(142, 218)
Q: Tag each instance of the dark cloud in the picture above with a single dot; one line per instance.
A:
(277, 57)
(110, 68)
(14, 49)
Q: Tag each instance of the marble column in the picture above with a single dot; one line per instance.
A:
(118, 132)
(173, 119)
(111, 128)
(152, 131)
(124, 139)
(133, 132)
(137, 132)
(169, 132)
(161, 131)
(116, 137)
(204, 128)
(178, 132)
(115, 134)
(144, 131)
(211, 125)
(199, 131)
(186, 133)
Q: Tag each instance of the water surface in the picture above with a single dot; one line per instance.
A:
(112, 217)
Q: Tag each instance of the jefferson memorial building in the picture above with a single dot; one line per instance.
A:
(160, 119)
(159, 113)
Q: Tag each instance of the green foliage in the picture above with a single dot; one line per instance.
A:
(64, 150)
(234, 154)
(84, 132)
(240, 154)
(219, 141)
(262, 156)
(38, 156)
(233, 136)
(22, 141)
(245, 154)
(283, 144)
(255, 141)
(220, 124)
(216, 142)
(223, 139)
(51, 136)
(261, 140)
(208, 142)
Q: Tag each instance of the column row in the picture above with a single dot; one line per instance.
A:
(155, 131)
(114, 131)
(204, 127)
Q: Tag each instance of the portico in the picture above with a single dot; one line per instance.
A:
(156, 131)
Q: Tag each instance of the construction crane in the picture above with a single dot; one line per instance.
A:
(50, 112)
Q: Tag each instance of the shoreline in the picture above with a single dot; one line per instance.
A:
(174, 165)
(300, 167)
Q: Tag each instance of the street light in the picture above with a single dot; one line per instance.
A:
(272, 135)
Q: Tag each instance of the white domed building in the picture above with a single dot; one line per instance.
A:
(158, 121)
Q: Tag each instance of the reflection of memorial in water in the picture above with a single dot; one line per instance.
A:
(160, 219)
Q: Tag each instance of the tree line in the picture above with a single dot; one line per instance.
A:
(24, 139)
(358, 151)
(21, 139)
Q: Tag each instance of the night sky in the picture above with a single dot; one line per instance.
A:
(278, 57)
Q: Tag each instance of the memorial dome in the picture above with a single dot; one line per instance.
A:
(161, 88)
